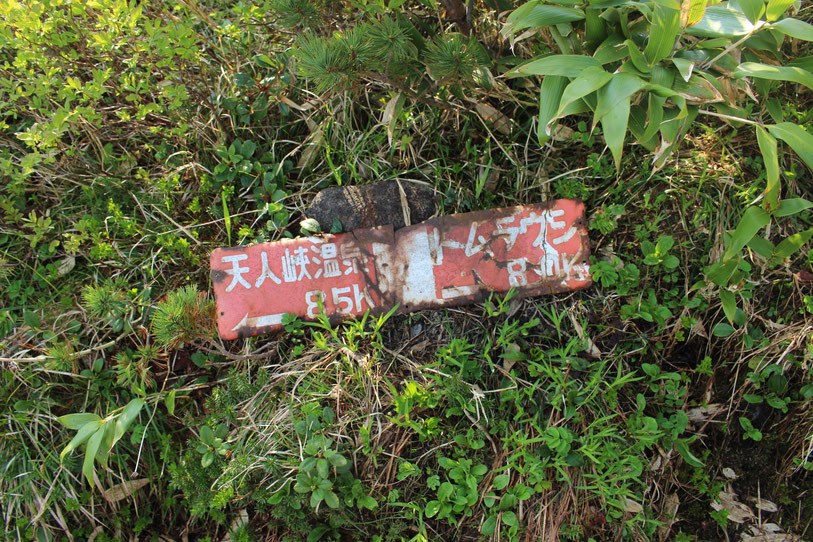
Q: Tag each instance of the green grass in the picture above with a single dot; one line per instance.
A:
(137, 138)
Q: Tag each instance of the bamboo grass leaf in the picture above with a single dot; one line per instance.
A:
(775, 73)
(770, 155)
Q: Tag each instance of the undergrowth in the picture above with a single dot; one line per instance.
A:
(670, 401)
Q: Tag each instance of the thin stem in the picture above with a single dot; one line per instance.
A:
(43, 357)
(729, 117)
(734, 45)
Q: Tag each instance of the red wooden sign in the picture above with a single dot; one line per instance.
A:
(449, 260)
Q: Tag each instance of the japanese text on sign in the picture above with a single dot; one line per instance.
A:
(445, 261)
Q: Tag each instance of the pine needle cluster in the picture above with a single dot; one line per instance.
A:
(185, 315)
(107, 301)
(454, 57)
(133, 367)
(296, 14)
(62, 356)
(387, 49)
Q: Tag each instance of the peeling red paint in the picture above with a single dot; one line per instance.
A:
(445, 261)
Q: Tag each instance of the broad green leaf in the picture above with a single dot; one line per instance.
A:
(674, 122)
(432, 508)
(674, 129)
(550, 95)
(804, 62)
(776, 8)
(248, 148)
(614, 125)
(510, 518)
(76, 421)
(753, 220)
(90, 454)
(683, 449)
(720, 272)
(663, 33)
(590, 80)
(445, 491)
(708, 47)
(331, 499)
(770, 156)
(769, 41)
(722, 330)
(761, 246)
(721, 22)
(609, 50)
(489, 525)
(580, 106)
(663, 76)
(207, 459)
(207, 435)
(317, 496)
(595, 28)
(664, 244)
(775, 73)
(669, 4)
(81, 436)
(752, 8)
(536, 14)
(637, 125)
(563, 65)
(317, 533)
(500, 481)
(368, 502)
(731, 111)
(791, 206)
(729, 304)
(684, 66)
(655, 116)
(106, 445)
(797, 138)
(566, 2)
(322, 467)
(637, 57)
(788, 247)
(169, 402)
(338, 460)
(620, 88)
(692, 11)
(127, 416)
(32, 319)
(697, 90)
(795, 28)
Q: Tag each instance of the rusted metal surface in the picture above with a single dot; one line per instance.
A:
(449, 260)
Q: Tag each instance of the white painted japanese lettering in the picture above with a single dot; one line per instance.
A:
(266, 272)
(296, 263)
(236, 271)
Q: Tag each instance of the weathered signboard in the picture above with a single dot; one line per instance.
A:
(448, 260)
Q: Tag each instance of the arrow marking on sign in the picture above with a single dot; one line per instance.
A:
(259, 321)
